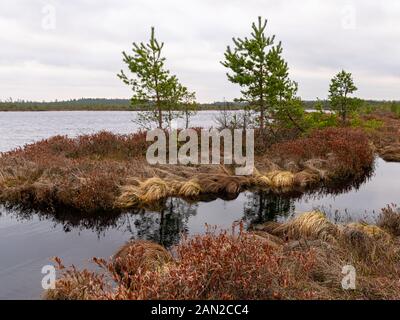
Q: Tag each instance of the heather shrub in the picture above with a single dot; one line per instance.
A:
(347, 151)
(298, 259)
(76, 285)
(92, 173)
(98, 146)
(211, 266)
(389, 220)
(265, 139)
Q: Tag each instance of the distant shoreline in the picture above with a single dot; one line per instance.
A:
(124, 105)
(98, 104)
(98, 110)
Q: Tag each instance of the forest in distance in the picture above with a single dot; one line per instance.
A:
(101, 104)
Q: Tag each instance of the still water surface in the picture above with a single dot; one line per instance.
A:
(29, 240)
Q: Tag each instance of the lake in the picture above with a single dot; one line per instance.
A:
(28, 240)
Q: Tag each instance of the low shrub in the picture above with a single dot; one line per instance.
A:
(105, 172)
(302, 258)
(347, 151)
(98, 146)
(212, 266)
(389, 220)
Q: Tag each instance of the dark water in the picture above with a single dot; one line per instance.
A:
(29, 239)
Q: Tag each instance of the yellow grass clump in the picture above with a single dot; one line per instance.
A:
(140, 255)
(222, 184)
(371, 230)
(262, 181)
(153, 190)
(233, 186)
(130, 197)
(274, 179)
(310, 225)
(175, 186)
(146, 192)
(306, 178)
(190, 189)
(281, 179)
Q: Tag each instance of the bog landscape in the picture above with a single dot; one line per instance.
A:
(315, 218)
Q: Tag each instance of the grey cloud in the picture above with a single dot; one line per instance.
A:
(83, 54)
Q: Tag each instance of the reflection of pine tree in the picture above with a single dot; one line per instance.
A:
(165, 227)
(262, 207)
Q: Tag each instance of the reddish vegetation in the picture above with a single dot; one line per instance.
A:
(209, 267)
(86, 173)
(387, 139)
(82, 173)
(347, 151)
(300, 259)
(98, 146)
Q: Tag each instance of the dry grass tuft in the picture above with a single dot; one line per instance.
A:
(281, 179)
(140, 256)
(129, 198)
(359, 243)
(371, 230)
(222, 184)
(233, 186)
(310, 225)
(390, 153)
(153, 190)
(306, 178)
(190, 189)
(389, 220)
(276, 179)
(175, 186)
(263, 182)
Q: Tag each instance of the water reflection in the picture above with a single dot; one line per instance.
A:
(261, 207)
(37, 236)
(167, 226)
(176, 217)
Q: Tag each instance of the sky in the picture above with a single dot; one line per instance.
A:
(61, 50)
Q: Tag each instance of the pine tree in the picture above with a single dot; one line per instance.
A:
(189, 106)
(286, 107)
(342, 85)
(257, 65)
(154, 88)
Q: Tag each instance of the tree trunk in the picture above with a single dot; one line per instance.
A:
(159, 118)
(294, 122)
(158, 104)
(344, 109)
(262, 118)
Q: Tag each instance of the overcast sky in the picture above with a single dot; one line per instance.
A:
(71, 49)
